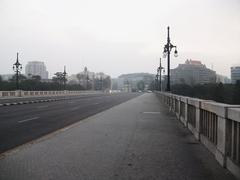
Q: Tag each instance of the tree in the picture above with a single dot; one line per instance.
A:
(20, 78)
(82, 80)
(59, 78)
(107, 83)
(36, 78)
(236, 93)
(219, 93)
(152, 86)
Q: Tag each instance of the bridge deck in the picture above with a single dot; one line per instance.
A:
(138, 139)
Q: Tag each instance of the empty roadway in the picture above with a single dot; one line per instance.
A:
(22, 123)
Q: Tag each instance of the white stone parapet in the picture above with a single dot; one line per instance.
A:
(21, 93)
(214, 124)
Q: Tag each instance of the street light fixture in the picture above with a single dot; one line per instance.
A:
(159, 70)
(166, 52)
(64, 77)
(156, 82)
(17, 68)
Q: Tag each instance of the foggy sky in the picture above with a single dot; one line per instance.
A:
(118, 37)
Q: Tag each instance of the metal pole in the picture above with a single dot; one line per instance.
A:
(168, 59)
(160, 76)
(17, 75)
(17, 67)
(157, 88)
(17, 80)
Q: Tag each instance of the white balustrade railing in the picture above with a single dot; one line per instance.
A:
(216, 125)
(20, 93)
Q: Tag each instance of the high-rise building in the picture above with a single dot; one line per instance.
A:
(192, 72)
(36, 68)
(235, 74)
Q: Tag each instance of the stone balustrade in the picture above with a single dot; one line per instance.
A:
(20, 93)
(214, 124)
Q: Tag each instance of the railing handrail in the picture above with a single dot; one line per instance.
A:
(216, 125)
(21, 93)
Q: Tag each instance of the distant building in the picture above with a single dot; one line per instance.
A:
(91, 80)
(85, 78)
(117, 84)
(192, 72)
(36, 68)
(235, 74)
(6, 77)
(125, 82)
(127, 86)
(222, 79)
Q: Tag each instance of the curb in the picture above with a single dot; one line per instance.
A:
(35, 101)
(29, 102)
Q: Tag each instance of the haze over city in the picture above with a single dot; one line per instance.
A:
(118, 37)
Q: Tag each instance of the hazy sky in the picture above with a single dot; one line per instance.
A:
(118, 36)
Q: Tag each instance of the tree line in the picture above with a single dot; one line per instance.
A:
(35, 83)
(224, 93)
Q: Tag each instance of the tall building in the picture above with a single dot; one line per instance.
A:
(36, 68)
(130, 81)
(235, 74)
(192, 72)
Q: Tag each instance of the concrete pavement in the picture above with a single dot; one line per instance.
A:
(138, 139)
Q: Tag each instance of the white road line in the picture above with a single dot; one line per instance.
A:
(71, 102)
(30, 119)
(151, 112)
(75, 108)
(42, 107)
(95, 103)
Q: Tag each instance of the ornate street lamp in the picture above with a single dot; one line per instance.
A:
(17, 68)
(159, 70)
(166, 52)
(156, 82)
(64, 77)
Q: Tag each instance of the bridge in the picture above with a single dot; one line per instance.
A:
(119, 136)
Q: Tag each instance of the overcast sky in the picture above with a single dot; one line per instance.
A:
(118, 37)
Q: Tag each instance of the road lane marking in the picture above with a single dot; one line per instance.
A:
(75, 108)
(71, 102)
(30, 119)
(151, 112)
(42, 107)
(95, 103)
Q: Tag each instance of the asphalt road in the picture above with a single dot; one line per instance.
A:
(22, 123)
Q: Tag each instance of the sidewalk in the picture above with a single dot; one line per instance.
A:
(138, 139)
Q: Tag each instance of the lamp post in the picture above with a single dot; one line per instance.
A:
(64, 77)
(17, 67)
(167, 50)
(156, 82)
(160, 68)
